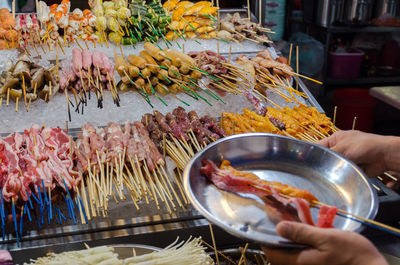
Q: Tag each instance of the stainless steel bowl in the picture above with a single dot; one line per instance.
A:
(333, 179)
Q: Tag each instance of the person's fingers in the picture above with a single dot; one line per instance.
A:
(278, 256)
(301, 233)
(341, 149)
(327, 142)
(310, 257)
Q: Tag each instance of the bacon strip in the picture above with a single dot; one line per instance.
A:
(39, 156)
(277, 207)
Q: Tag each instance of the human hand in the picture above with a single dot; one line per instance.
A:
(375, 154)
(327, 247)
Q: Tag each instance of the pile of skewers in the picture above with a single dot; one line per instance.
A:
(220, 72)
(58, 24)
(191, 20)
(159, 72)
(89, 72)
(36, 169)
(123, 160)
(235, 28)
(181, 134)
(111, 16)
(300, 122)
(129, 25)
(148, 23)
(27, 81)
(120, 161)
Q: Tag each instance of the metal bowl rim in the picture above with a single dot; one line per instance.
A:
(371, 214)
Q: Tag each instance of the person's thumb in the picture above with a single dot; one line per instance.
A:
(324, 142)
(300, 233)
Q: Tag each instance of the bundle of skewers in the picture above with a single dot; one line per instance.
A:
(59, 25)
(180, 134)
(28, 27)
(147, 23)
(37, 172)
(235, 28)
(111, 16)
(26, 81)
(301, 122)
(191, 20)
(127, 161)
(160, 72)
(121, 162)
(88, 72)
(8, 34)
(218, 69)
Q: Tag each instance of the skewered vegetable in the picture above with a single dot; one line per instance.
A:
(191, 20)
(157, 71)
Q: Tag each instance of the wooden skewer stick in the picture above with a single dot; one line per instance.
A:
(260, 12)
(242, 257)
(59, 44)
(354, 123)
(297, 67)
(13, 9)
(248, 10)
(8, 97)
(390, 176)
(24, 88)
(213, 241)
(230, 50)
(16, 104)
(218, 18)
(334, 115)
(219, 252)
(290, 53)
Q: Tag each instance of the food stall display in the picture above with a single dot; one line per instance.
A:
(147, 105)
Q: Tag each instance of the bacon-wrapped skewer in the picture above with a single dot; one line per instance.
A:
(276, 195)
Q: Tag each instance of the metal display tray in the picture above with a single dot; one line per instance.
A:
(123, 215)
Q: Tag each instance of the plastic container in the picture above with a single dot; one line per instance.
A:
(345, 65)
(274, 18)
(354, 103)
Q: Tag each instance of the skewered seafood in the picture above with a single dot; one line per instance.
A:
(265, 69)
(8, 34)
(57, 21)
(234, 27)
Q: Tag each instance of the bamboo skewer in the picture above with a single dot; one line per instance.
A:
(242, 257)
(213, 241)
(346, 214)
(248, 10)
(297, 67)
(354, 123)
(334, 115)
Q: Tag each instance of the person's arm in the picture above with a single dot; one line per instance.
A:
(373, 153)
(327, 246)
